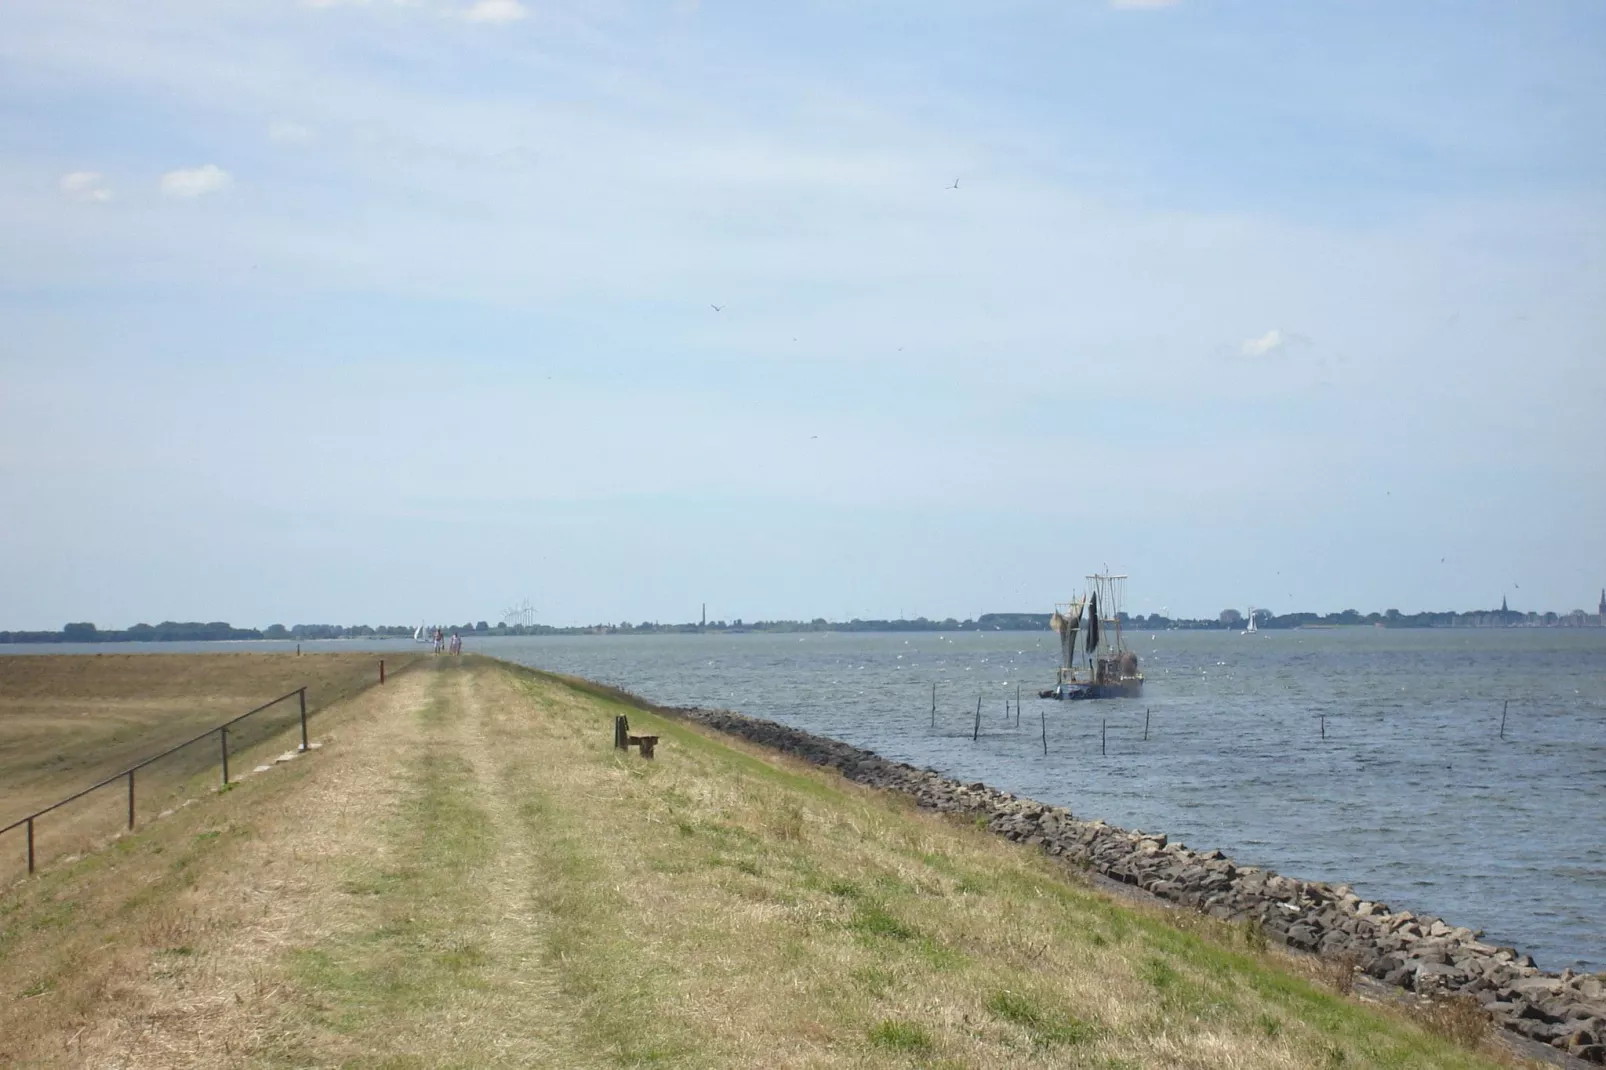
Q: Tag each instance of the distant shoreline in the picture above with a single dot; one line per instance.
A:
(170, 632)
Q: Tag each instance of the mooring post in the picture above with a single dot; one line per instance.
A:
(223, 734)
(302, 696)
(934, 704)
(975, 735)
(1324, 726)
(131, 800)
(298, 650)
(1044, 715)
(30, 847)
(1145, 724)
(1104, 728)
(1017, 705)
(1503, 710)
(381, 670)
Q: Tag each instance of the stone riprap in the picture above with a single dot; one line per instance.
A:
(1416, 952)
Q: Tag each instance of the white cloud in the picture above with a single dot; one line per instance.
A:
(495, 11)
(196, 181)
(85, 186)
(288, 133)
(1269, 342)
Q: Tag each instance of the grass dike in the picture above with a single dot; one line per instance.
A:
(469, 874)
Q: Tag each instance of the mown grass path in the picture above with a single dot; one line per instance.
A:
(476, 878)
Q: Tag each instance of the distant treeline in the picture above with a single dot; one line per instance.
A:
(193, 631)
(171, 631)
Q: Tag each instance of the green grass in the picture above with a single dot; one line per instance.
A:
(900, 1036)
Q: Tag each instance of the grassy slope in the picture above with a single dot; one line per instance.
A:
(470, 875)
(69, 721)
(65, 722)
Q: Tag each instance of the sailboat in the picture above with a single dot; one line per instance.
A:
(421, 634)
(1251, 627)
(1100, 665)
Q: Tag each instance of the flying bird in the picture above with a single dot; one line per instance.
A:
(955, 185)
(717, 308)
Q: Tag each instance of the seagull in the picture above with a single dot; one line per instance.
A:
(717, 308)
(955, 185)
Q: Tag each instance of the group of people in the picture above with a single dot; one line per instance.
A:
(445, 644)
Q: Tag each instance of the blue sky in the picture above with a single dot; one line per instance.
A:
(374, 311)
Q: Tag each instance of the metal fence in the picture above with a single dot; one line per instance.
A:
(128, 775)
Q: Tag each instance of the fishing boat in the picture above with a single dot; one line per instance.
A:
(1094, 660)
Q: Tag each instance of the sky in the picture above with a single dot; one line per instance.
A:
(374, 311)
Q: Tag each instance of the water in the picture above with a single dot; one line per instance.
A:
(1412, 798)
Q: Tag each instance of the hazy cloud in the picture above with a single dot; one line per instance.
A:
(196, 181)
(85, 186)
(1269, 342)
(496, 11)
(289, 133)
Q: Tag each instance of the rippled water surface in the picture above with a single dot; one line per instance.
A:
(1413, 797)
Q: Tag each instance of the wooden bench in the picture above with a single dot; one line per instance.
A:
(623, 740)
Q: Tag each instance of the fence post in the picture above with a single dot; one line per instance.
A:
(381, 670)
(131, 800)
(302, 695)
(223, 734)
(30, 847)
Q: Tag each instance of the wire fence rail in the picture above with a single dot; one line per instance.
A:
(129, 775)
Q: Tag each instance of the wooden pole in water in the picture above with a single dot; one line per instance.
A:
(1324, 726)
(934, 704)
(977, 733)
(1104, 728)
(1145, 724)
(1503, 709)
(1044, 715)
(1017, 705)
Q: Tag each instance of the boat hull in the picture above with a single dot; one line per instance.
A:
(1078, 691)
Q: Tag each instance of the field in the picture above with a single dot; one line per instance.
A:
(468, 874)
(67, 722)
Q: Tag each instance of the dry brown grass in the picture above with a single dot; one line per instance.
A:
(471, 875)
(1459, 1019)
(67, 721)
